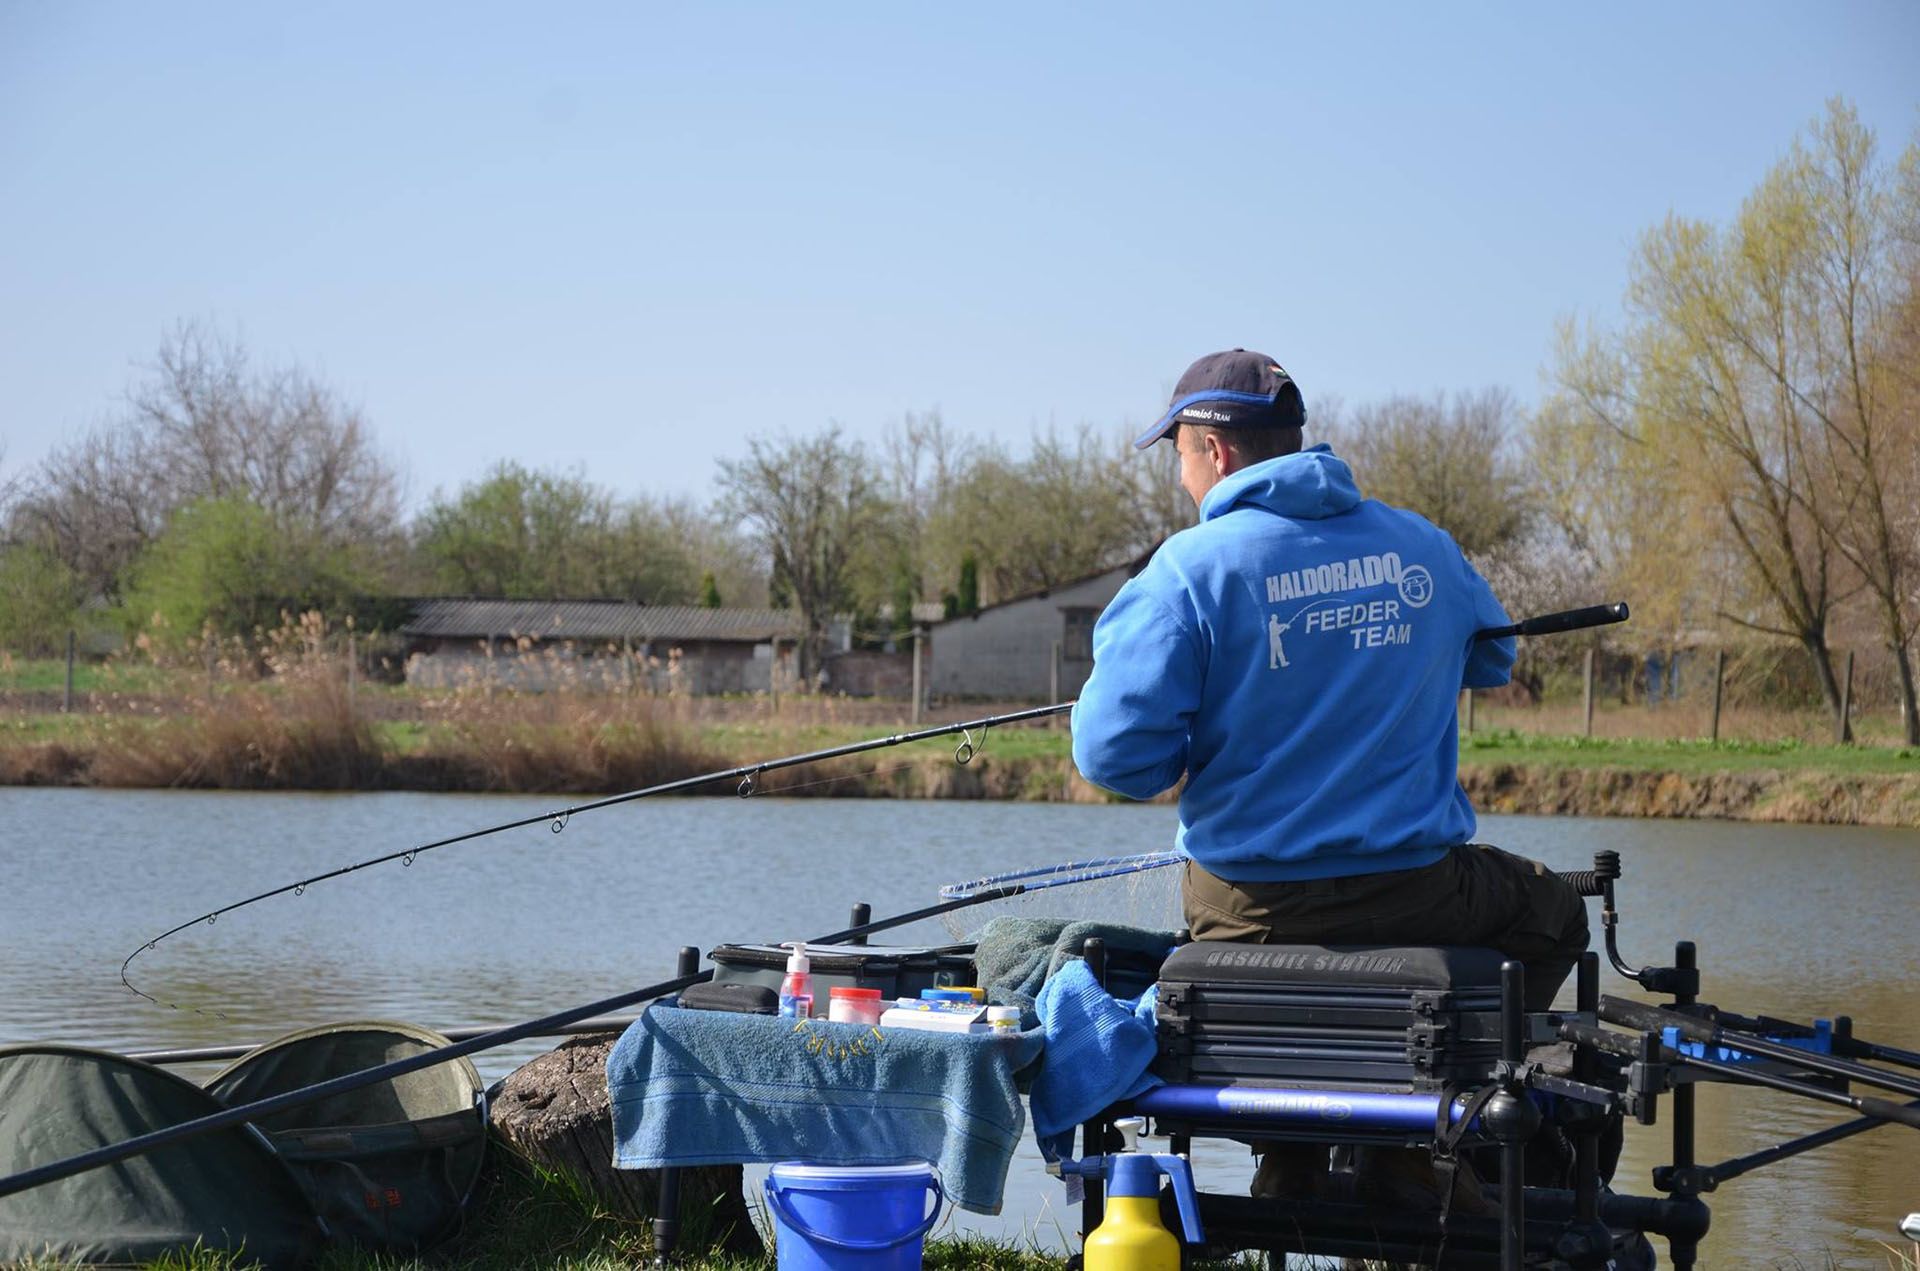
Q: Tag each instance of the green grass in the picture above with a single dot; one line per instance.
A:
(49, 675)
(1507, 746)
(523, 1216)
(19, 729)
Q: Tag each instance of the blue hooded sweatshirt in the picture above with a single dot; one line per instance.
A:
(1298, 656)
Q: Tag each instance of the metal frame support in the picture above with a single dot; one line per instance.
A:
(1686, 990)
(1513, 1148)
(1093, 1133)
(666, 1220)
(1586, 1136)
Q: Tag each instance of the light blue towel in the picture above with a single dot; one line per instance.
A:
(1098, 1050)
(708, 1087)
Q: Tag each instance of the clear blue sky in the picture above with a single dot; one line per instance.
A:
(625, 238)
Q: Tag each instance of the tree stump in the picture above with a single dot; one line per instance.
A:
(554, 1110)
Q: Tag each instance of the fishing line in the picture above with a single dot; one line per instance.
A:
(558, 819)
(747, 774)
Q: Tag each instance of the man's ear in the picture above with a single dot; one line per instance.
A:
(1221, 455)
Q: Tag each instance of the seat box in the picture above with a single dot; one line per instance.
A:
(896, 970)
(1347, 1016)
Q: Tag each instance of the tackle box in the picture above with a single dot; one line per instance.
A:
(896, 970)
(1345, 1016)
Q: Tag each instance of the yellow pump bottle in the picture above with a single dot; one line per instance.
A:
(1131, 1237)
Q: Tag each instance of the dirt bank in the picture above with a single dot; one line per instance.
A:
(1805, 796)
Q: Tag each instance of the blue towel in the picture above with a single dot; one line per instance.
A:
(708, 1087)
(1098, 1050)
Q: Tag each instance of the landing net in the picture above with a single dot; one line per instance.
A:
(1139, 891)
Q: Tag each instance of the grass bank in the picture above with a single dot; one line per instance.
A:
(310, 730)
(524, 1218)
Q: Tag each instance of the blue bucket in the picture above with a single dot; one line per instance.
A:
(851, 1217)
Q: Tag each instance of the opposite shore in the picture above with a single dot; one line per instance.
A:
(313, 741)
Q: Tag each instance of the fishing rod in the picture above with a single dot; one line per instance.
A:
(221, 1054)
(748, 774)
(745, 774)
(141, 1144)
(1040, 877)
(1709, 1033)
(1555, 623)
(1629, 1048)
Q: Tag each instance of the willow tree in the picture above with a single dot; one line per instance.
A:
(1858, 229)
(1618, 507)
(1745, 389)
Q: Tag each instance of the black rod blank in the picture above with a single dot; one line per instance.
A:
(743, 773)
(1617, 1010)
(1555, 623)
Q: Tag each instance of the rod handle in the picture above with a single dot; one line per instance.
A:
(1554, 623)
(1888, 1110)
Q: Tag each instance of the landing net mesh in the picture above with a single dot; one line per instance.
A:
(1139, 891)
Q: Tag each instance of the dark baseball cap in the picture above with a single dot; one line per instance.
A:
(1235, 389)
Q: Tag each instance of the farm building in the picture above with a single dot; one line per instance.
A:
(1008, 651)
(606, 644)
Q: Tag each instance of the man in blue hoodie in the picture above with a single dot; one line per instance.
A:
(1297, 656)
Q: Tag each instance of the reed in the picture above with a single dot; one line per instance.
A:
(304, 735)
(555, 745)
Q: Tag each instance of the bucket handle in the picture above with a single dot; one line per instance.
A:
(780, 1206)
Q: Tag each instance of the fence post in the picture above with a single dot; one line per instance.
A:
(773, 676)
(1053, 684)
(1469, 710)
(1588, 698)
(1719, 682)
(1844, 733)
(66, 698)
(353, 668)
(918, 696)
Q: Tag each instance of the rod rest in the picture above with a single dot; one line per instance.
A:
(1592, 882)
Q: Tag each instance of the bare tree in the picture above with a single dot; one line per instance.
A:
(206, 423)
(275, 436)
(1449, 458)
(1075, 504)
(94, 504)
(812, 502)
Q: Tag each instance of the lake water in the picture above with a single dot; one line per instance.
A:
(1791, 921)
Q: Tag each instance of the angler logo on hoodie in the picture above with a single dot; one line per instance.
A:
(1370, 624)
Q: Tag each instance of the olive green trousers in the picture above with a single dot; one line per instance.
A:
(1474, 895)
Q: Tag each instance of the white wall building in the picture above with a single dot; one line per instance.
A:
(1008, 651)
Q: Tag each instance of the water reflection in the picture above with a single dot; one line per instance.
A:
(1791, 921)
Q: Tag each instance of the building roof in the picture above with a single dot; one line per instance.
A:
(596, 620)
(1132, 567)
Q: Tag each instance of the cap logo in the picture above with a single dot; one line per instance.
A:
(1212, 416)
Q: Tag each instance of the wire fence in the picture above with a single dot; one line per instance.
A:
(1733, 693)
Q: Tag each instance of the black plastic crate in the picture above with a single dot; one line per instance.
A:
(896, 970)
(1346, 1016)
